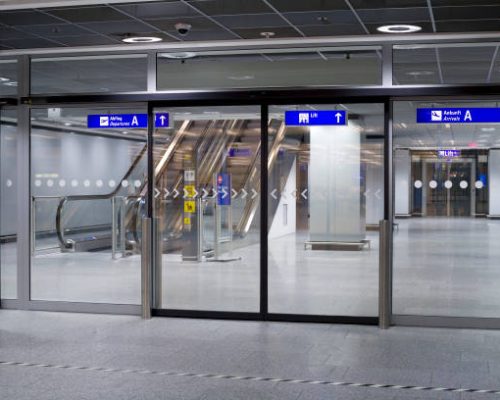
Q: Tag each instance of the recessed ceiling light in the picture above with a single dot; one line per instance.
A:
(420, 73)
(180, 56)
(241, 77)
(399, 28)
(2, 79)
(142, 39)
(267, 35)
(489, 129)
(11, 83)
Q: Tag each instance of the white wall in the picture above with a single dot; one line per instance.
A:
(336, 203)
(402, 174)
(494, 182)
(278, 226)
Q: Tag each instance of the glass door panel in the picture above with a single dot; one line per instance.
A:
(207, 207)
(446, 243)
(325, 196)
(88, 185)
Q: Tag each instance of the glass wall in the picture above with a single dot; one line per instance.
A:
(207, 207)
(446, 64)
(8, 203)
(94, 74)
(285, 68)
(447, 197)
(88, 182)
(326, 182)
(8, 77)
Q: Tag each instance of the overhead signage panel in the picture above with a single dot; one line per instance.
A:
(315, 118)
(458, 115)
(125, 121)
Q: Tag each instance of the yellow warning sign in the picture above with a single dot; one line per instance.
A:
(187, 221)
(189, 206)
(190, 191)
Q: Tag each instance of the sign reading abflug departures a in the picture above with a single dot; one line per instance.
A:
(128, 121)
(458, 115)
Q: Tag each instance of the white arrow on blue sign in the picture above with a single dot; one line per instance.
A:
(315, 118)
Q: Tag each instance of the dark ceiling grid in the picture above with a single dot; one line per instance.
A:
(153, 27)
(436, 50)
(266, 2)
(21, 30)
(78, 25)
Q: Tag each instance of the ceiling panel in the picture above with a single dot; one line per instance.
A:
(229, 19)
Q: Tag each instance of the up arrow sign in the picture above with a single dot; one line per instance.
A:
(338, 116)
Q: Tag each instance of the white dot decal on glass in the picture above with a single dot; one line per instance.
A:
(464, 184)
(86, 183)
(124, 183)
(8, 183)
(448, 184)
(74, 183)
(418, 184)
(38, 183)
(99, 183)
(137, 183)
(50, 182)
(479, 184)
(112, 183)
(433, 184)
(62, 183)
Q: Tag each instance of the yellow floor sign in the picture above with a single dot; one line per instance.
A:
(189, 206)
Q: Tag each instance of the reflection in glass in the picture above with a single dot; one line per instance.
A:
(446, 243)
(323, 257)
(207, 205)
(85, 237)
(8, 204)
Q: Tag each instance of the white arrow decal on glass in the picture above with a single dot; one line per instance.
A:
(167, 193)
(273, 194)
(234, 192)
(157, 193)
(254, 194)
(205, 193)
(245, 193)
(176, 193)
(377, 194)
(303, 194)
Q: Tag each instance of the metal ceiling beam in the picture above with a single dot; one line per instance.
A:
(6, 5)
(261, 44)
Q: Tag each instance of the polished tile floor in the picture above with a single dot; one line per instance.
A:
(449, 358)
(443, 267)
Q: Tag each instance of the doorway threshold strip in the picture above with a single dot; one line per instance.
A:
(248, 378)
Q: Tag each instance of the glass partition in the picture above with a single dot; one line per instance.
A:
(8, 77)
(207, 207)
(447, 208)
(286, 68)
(95, 74)
(8, 203)
(88, 182)
(325, 201)
(446, 64)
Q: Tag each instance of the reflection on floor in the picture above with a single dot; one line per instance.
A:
(447, 358)
(442, 266)
(447, 267)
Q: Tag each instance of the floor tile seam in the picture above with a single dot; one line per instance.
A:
(230, 377)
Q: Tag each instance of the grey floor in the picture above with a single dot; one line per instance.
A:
(449, 358)
(443, 267)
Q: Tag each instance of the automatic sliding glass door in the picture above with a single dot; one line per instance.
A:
(206, 208)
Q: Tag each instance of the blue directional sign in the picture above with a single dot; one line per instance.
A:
(449, 153)
(125, 121)
(223, 189)
(314, 118)
(161, 120)
(458, 115)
